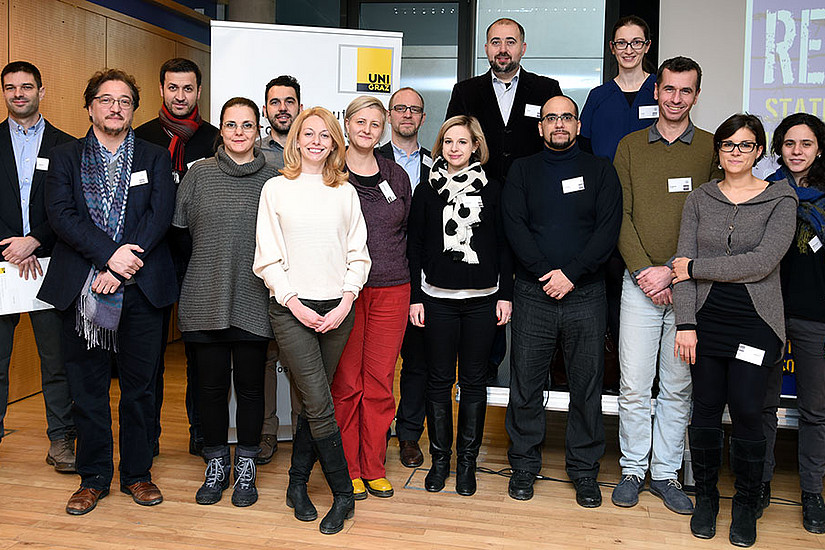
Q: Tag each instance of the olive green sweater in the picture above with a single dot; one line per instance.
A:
(650, 223)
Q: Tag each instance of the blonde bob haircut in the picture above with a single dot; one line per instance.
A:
(482, 153)
(362, 102)
(335, 171)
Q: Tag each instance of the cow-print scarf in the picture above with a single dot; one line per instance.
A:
(462, 212)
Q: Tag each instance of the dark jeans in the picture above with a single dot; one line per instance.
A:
(540, 324)
(89, 373)
(243, 361)
(311, 359)
(808, 346)
(412, 385)
(722, 380)
(47, 326)
(458, 328)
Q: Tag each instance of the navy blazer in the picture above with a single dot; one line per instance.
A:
(520, 138)
(387, 152)
(81, 244)
(11, 213)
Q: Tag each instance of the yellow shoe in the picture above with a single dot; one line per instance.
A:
(358, 489)
(380, 487)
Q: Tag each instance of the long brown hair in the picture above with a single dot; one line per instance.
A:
(335, 172)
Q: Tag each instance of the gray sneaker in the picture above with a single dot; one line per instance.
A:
(61, 455)
(626, 493)
(670, 491)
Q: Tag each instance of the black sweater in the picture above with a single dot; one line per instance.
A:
(425, 246)
(550, 229)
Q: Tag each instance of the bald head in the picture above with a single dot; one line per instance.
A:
(559, 125)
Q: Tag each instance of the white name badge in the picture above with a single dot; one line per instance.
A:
(533, 111)
(188, 166)
(472, 201)
(139, 178)
(679, 185)
(427, 161)
(387, 190)
(41, 164)
(648, 111)
(815, 243)
(749, 354)
(572, 185)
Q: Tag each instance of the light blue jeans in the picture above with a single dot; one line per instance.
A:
(647, 331)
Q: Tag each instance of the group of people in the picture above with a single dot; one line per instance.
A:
(317, 248)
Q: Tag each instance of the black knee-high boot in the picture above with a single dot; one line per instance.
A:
(706, 458)
(303, 459)
(440, 432)
(468, 442)
(334, 463)
(747, 459)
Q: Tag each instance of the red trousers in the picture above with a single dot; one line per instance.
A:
(362, 387)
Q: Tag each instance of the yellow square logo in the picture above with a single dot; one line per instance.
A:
(374, 70)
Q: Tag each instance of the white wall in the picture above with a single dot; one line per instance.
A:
(713, 33)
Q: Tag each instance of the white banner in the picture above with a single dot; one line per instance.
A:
(18, 294)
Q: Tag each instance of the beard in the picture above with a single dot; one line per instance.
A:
(278, 128)
(406, 131)
(560, 145)
(509, 67)
(182, 115)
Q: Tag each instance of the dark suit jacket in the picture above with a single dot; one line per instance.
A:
(11, 214)
(80, 244)
(387, 152)
(520, 138)
(200, 145)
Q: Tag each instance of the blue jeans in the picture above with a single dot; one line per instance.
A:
(540, 324)
(648, 332)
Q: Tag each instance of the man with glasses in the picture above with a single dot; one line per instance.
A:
(180, 129)
(407, 114)
(658, 167)
(26, 139)
(110, 198)
(561, 210)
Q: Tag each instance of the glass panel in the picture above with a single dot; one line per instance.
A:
(309, 13)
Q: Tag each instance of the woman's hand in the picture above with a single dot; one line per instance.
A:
(417, 314)
(333, 319)
(680, 270)
(504, 312)
(308, 317)
(685, 347)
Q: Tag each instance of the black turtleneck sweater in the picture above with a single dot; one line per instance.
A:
(549, 229)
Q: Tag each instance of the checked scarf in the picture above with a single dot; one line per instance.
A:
(98, 315)
(182, 129)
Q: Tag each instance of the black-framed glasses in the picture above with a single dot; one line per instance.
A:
(564, 117)
(247, 127)
(401, 108)
(745, 147)
(108, 101)
(636, 45)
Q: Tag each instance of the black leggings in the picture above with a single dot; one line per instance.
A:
(244, 361)
(718, 381)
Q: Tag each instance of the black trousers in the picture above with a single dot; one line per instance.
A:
(89, 374)
(412, 384)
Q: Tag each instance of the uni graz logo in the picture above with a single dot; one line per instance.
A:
(374, 70)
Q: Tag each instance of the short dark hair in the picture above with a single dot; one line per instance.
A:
(567, 97)
(680, 64)
(97, 80)
(180, 65)
(284, 80)
(407, 89)
(816, 173)
(735, 123)
(505, 20)
(22, 67)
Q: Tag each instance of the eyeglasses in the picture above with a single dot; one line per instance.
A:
(635, 44)
(401, 108)
(564, 117)
(744, 147)
(247, 127)
(108, 101)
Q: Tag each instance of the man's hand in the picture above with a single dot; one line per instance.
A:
(30, 266)
(417, 315)
(663, 298)
(558, 285)
(653, 280)
(19, 248)
(504, 312)
(105, 283)
(124, 262)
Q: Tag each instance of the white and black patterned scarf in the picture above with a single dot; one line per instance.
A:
(461, 212)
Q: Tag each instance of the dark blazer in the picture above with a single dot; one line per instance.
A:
(80, 244)
(387, 152)
(11, 214)
(520, 138)
(200, 145)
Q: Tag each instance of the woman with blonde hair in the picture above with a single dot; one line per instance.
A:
(462, 287)
(312, 255)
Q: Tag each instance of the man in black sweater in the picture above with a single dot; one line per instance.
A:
(562, 210)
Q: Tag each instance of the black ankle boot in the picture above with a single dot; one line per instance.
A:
(245, 493)
(747, 459)
(440, 432)
(706, 459)
(303, 459)
(218, 472)
(334, 463)
(468, 442)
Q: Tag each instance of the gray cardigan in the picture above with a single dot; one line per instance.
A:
(738, 243)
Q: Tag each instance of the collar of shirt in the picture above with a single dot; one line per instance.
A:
(505, 95)
(270, 144)
(108, 155)
(653, 134)
(35, 130)
(503, 85)
(400, 153)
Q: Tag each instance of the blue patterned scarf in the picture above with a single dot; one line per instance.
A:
(810, 214)
(98, 315)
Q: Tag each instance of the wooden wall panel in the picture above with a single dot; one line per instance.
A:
(202, 58)
(24, 367)
(140, 53)
(4, 31)
(69, 48)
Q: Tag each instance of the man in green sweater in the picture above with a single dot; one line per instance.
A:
(658, 167)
